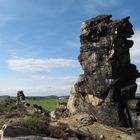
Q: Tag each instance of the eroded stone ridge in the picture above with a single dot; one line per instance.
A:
(107, 87)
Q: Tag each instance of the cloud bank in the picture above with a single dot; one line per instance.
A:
(135, 50)
(40, 65)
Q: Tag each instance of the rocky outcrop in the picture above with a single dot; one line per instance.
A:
(25, 108)
(21, 102)
(107, 87)
(60, 111)
(85, 124)
(13, 131)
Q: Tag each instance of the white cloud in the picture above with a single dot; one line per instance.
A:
(67, 80)
(135, 50)
(138, 86)
(138, 83)
(43, 85)
(50, 84)
(40, 65)
(38, 83)
(36, 91)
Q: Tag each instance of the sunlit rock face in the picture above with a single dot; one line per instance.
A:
(109, 78)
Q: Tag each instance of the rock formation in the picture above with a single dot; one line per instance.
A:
(107, 87)
(26, 108)
(21, 101)
(13, 131)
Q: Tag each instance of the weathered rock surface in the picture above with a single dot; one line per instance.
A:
(21, 102)
(59, 112)
(107, 87)
(96, 130)
(13, 131)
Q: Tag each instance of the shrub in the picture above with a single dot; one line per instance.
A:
(11, 115)
(7, 104)
(57, 131)
(37, 124)
(40, 107)
(35, 106)
(27, 104)
(13, 108)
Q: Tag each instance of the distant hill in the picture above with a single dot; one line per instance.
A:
(52, 96)
(38, 97)
(47, 97)
(4, 96)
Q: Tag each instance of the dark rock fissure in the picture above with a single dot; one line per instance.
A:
(107, 87)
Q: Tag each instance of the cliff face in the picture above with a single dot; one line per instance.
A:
(108, 85)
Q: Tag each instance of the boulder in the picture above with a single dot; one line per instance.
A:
(14, 131)
(21, 102)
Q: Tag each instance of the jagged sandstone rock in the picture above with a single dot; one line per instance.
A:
(60, 111)
(108, 84)
(85, 124)
(21, 102)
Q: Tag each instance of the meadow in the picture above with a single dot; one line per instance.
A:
(48, 104)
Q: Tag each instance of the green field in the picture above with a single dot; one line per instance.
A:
(48, 104)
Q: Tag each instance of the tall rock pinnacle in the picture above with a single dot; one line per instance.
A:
(107, 87)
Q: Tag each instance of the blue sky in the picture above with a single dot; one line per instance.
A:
(39, 42)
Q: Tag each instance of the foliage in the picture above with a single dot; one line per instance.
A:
(12, 115)
(27, 104)
(7, 104)
(38, 124)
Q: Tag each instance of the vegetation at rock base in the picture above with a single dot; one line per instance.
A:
(37, 123)
(9, 113)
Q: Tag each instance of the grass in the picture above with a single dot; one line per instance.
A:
(48, 104)
(7, 104)
(36, 123)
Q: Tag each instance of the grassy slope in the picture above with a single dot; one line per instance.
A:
(7, 104)
(48, 104)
